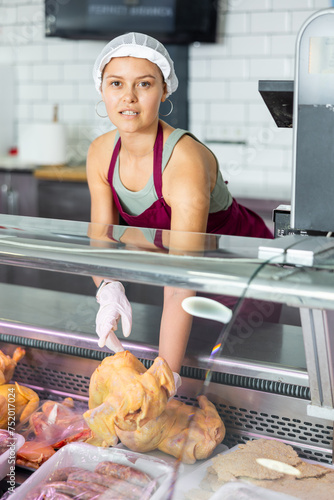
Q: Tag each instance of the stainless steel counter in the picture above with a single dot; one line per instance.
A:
(271, 351)
(232, 265)
(263, 380)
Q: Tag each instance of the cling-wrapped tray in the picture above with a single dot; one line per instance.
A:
(50, 427)
(261, 468)
(153, 477)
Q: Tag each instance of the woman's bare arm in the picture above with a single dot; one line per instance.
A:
(188, 194)
(103, 209)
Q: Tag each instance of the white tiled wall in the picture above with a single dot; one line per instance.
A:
(256, 41)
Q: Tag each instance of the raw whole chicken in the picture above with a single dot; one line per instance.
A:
(14, 397)
(123, 393)
(8, 364)
(17, 402)
(130, 404)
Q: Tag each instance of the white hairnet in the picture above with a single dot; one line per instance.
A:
(141, 46)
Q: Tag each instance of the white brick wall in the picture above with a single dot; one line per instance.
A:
(256, 41)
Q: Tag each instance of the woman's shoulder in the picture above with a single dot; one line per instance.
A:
(100, 151)
(187, 144)
(104, 140)
(189, 155)
(179, 137)
(102, 146)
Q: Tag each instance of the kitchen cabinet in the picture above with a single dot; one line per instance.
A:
(270, 379)
(49, 192)
(63, 193)
(18, 192)
(55, 192)
(63, 200)
(18, 196)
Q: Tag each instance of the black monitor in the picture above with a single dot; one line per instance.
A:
(169, 21)
(278, 96)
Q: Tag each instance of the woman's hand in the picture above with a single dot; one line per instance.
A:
(113, 306)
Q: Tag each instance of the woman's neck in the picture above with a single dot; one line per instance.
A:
(139, 145)
(132, 154)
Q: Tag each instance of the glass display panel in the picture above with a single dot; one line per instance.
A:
(321, 57)
(256, 348)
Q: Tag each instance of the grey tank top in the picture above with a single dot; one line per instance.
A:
(136, 202)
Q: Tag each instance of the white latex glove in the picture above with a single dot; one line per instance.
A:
(113, 306)
(177, 382)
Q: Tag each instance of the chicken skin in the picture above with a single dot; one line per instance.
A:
(123, 393)
(14, 397)
(8, 364)
(183, 431)
(130, 404)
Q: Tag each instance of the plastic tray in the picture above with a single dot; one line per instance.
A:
(231, 491)
(88, 456)
(6, 459)
(183, 469)
(193, 478)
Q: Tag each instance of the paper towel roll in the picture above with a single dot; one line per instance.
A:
(43, 144)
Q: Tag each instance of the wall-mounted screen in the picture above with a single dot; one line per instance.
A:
(170, 21)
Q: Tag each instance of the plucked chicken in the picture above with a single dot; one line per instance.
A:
(8, 364)
(16, 401)
(14, 397)
(130, 404)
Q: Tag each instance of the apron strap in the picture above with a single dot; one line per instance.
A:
(157, 162)
(113, 162)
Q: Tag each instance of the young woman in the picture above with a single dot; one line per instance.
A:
(154, 176)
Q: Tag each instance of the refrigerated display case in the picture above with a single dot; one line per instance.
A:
(266, 378)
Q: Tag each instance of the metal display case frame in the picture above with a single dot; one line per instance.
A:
(270, 380)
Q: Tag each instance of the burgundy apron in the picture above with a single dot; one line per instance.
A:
(237, 220)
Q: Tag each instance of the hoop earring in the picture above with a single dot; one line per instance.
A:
(97, 112)
(171, 108)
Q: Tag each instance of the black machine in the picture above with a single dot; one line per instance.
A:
(170, 21)
(307, 105)
(307, 225)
